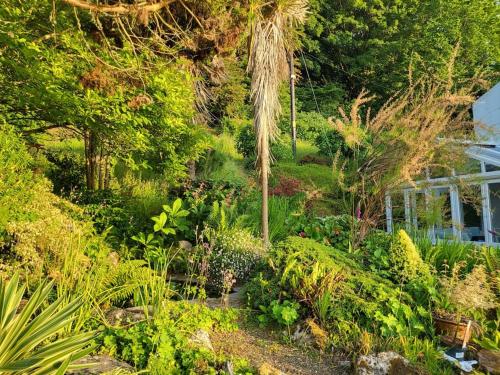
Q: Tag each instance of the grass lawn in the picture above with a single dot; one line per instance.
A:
(312, 176)
(316, 180)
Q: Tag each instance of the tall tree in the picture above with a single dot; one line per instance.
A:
(121, 101)
(272, 27)
(372, 43)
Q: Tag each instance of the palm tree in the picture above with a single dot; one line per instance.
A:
(271, 33)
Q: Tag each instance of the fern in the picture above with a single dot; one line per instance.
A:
(117, 283)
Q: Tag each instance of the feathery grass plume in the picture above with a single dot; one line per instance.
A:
(418, 129)
(272, 26)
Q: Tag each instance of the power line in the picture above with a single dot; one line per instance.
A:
(315, 101)
(310, 82)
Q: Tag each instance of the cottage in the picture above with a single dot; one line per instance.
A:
(464, 204)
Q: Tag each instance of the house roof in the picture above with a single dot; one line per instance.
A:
(486, 111)
(489, 155)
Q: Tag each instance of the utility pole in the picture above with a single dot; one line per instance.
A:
(292, 106)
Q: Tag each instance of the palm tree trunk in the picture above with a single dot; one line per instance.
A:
(264, 165)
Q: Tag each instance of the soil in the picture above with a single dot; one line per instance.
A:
(261, 347)
(265, 347)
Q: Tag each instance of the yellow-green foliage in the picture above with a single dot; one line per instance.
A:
(339, 291)
(41, 244)
(38, 230)
(405, 259)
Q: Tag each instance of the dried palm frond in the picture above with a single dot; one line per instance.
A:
(271, 32)
(269, 38)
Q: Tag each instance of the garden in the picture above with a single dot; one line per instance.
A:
(160, 213)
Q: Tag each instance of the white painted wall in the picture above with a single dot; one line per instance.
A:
(486, 111)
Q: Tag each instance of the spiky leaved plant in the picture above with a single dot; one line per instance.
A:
(27, 335)
(272, 25)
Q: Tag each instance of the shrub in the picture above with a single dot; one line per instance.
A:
(67, 170)
(18, 184)
(284, 313)
(164, 342)
(282, 149)
(310, 125)
(26, 333)
(338, 291)
(470, 293)
(376, 248)
(330, 142)
(38, 230)
(245, 144)
(406, 263)
(235, 255)
(331, 230)
(287, 187)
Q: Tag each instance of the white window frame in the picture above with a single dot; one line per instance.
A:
(409, 194)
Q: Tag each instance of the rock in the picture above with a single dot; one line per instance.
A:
(385, 363)
(267, 369)
(302, 336)
(185, 245)
(100, 364)
(310, 334)
(201, 338)
(117, 316)
(489, 360)
(236, 300)
(229, 368)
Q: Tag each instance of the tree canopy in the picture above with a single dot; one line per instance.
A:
(377, 44)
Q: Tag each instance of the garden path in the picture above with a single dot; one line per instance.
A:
(263, 348)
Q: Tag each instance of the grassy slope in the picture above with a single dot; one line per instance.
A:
(316, 180)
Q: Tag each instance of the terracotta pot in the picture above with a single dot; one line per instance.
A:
(453, 332)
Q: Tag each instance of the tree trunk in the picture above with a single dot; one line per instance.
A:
(107, 176)
(102, 168)
(192, 170)
(91, 159)
(264, 160)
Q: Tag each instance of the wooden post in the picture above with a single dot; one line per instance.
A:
(292, 106)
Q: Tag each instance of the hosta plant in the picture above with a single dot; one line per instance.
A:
(29, 342)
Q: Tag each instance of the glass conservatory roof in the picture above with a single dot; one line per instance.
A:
(489, 155)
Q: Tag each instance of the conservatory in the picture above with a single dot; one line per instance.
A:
(465, 205)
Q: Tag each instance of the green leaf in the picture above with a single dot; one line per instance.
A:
(23, 332)
(168, 231)
(177, 205)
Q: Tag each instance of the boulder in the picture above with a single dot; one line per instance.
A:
(489, 360)
(185, 245)
(385, 363)
(100, 364)
(117, 316)
(201, 338)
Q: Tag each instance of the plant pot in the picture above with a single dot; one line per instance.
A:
(453, 331)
